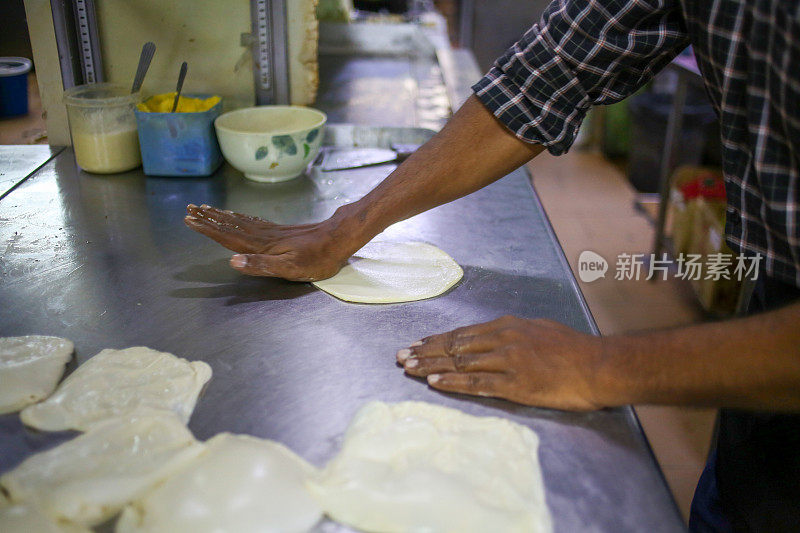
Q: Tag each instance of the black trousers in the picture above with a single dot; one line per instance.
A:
(752, 479)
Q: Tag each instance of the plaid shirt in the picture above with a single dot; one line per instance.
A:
(587, 52)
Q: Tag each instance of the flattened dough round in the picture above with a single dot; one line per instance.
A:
(30, 368)
(239, 483)
(117, 383)
(392, 272)
(88, 479)
(414, 466)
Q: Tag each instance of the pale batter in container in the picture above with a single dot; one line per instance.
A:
(107, 152)
(103, 127)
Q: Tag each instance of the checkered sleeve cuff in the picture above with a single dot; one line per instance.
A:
(580, 54)
(546, 110)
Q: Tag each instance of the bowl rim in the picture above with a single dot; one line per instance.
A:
(323, 118)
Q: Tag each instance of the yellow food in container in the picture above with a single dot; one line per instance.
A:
(179, 144)
(162, 103)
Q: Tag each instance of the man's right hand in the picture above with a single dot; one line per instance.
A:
(471, 151)
(308, 252)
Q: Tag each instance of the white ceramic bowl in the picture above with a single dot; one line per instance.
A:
(270, 143)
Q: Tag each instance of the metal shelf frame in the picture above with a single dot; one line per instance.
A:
(80, 57)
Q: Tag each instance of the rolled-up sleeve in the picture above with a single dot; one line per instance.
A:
(581, 53)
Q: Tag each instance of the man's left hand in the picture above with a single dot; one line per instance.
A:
(532, 362)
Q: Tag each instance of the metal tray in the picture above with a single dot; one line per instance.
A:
(382, 74)
(355, 136)
(17, 162)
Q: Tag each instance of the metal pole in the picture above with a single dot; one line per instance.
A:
(280, 47)
(466, 14)
(88, 41)
(65, 43)
(77, 41)
(270, 51)
(673, 138)
(745, 295)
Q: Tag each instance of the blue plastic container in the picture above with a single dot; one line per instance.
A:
(14, 86)
(179, 144)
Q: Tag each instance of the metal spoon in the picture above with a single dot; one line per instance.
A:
(146, 56)
(181, 77)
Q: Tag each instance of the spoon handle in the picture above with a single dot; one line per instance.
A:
(181, 77)
(146, 56)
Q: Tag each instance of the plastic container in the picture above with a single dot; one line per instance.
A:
(179, 144)
(14, 86)
(103, 127)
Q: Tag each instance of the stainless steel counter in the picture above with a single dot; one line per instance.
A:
(107, 262)
(17, 162)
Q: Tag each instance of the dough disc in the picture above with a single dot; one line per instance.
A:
(239, 483)
(117, 383)
(390, 272)
(413, 466)
(30, 368)
(88, 479)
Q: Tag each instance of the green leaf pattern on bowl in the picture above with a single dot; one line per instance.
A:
(285, 144)
(262, 152)
(311, 136)
(306, 149)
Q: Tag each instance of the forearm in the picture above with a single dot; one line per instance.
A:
(750, 363)
(472, 151)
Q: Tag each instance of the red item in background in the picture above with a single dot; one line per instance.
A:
(706, 185)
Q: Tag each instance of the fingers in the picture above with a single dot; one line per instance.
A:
(202, 211)
(484, 337)
(225, 216)
(466, 331)
(473, 362)
(213, 214)
(232, 218)
(475, 383)
(209, 229)
(237, 232)
(225, 235)
(460, 338)
(193, 209)
(453, 344)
